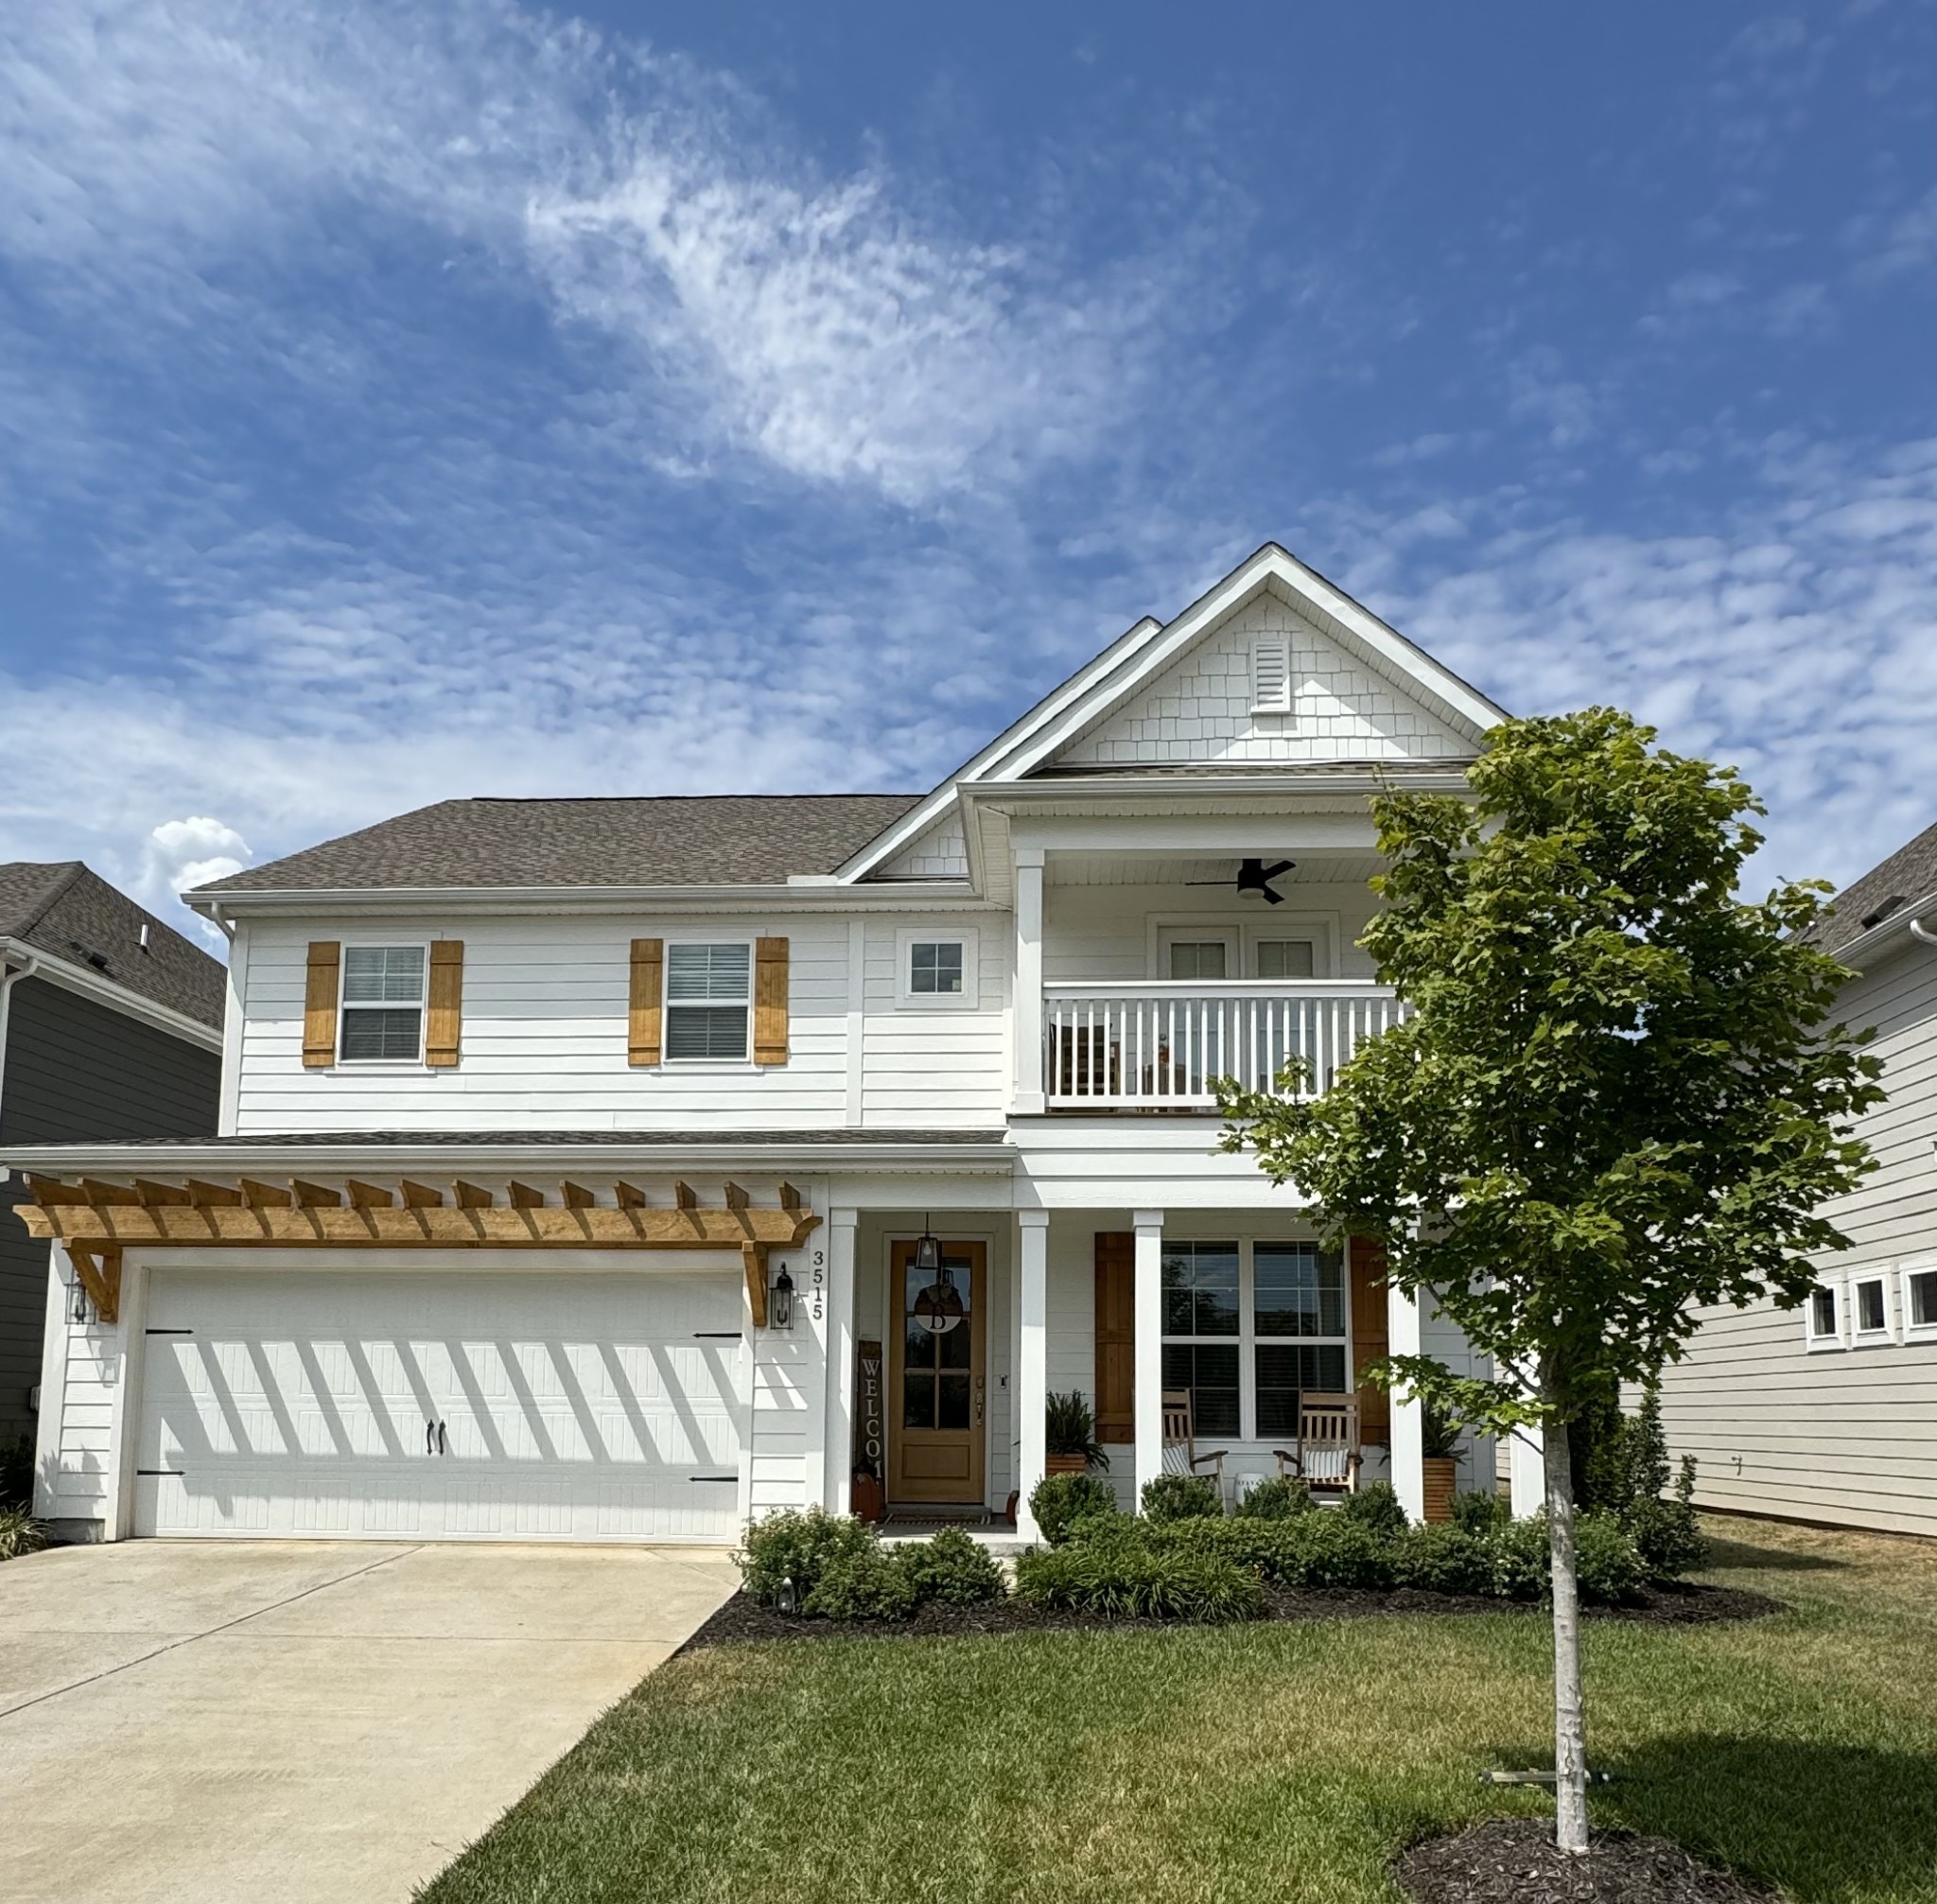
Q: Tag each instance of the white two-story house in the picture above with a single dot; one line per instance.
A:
(617, 1169)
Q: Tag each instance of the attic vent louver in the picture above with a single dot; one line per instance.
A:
(1271, 677)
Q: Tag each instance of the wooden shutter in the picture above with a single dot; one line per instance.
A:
(1116, 1336)
(443, 1022)
(770, 1001)
(643, 1018)
(319, 1004)
(1371, 1340)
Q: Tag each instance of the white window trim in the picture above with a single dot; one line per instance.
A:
(359, 1067)
(908, 998)
(1814, 1343)
(1247, 1339)
(668, 1004)
(1243, 930)
(1860, 1337)
(1914, 1331)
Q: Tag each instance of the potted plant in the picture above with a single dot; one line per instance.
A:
(1071, 1434)
(1439, 1444)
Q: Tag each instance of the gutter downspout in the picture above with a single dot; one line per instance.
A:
(8, 982)
(1919, 931)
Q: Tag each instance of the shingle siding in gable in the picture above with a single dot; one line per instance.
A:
(1200, 708)
(77, 1070)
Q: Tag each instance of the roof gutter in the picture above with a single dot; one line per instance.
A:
(1910, 917)
(931, 894)
(10, 977)
(112, 994)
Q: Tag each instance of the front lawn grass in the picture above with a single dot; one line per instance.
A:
(1285, 1763)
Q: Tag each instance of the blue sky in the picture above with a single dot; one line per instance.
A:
(399, 402)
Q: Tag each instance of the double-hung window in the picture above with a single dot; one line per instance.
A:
(1824, 1315)
(1249, 1328)
(382, 1016)
(1298, 1312)
(709, 1000)
(1202, 1345)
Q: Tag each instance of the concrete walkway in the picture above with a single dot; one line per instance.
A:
(277, 1723)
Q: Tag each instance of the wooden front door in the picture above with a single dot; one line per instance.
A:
(937, 1386)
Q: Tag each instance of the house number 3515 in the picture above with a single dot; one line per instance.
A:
(820, 1279)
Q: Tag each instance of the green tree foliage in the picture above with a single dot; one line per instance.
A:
(1617, 1095)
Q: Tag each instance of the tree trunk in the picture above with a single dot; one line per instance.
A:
(1570, 1737)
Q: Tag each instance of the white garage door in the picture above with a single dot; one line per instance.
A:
(458, 1406)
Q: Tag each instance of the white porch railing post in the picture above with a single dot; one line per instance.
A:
(838, 1493)
(1030, 1057)
(1032, 1374)
(1148, 1394)
(1409, 1417)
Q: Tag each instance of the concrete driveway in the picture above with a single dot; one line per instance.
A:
(274, 1722)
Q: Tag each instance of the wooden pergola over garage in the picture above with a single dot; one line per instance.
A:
(97, 1220)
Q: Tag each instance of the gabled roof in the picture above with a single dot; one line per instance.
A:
(1893, 890)
(723, 839)
(64, 912)
(1106, 685)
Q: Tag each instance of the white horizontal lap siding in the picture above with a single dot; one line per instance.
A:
(545, 1037)
(789, 1402)
(1847, 1436)
(82, 1479)
(946, 1068)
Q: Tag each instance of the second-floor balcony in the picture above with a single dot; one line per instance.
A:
(1162, 1045)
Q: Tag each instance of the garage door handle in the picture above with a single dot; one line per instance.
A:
(429, 1438)
(442, 1449)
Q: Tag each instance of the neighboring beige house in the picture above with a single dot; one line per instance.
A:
(1829, 1413)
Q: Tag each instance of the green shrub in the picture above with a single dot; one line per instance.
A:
(1062, 1500)
(951, 1568)
(1664, 1530)
(867, 1584)
(1278, 1498)
(1624, 1472)
(1606, 1561)
(20, 1533)
(1480, 1512)
(1122, 1578)
(1445, 1559)
(1181, 1497)
(1332, 1550)
(797, 1546)
(1518, 1551)
(1246, 1543)
(1376, 1509)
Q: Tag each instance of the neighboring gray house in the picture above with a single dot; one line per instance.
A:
(1829, 1413)
(110, 1026)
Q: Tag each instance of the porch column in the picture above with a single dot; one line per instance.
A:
(838, 1487)
(1027, 1015)
(1148, 1225)
(1409, 1423)
(1032, 1372)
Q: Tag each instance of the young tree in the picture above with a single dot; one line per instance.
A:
(1615, 1096)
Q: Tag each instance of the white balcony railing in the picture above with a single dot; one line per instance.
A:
(1160, 1047)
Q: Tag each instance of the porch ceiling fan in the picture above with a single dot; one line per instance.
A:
(1254, 876)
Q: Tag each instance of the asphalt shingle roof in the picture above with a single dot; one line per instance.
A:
(1910, 874)
(73, 915)
(722, 840)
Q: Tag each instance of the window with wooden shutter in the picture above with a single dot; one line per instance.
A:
(1116, 1336)
(1371, 1339)
(443, 1022)
(644, 1041)
(319, 1004)
(770, 1001)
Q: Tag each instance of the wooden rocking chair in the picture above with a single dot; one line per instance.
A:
(1327, 1456)
(1180, 1455)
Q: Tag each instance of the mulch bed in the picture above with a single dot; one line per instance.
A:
(1681, 1604)
(1513, 1860)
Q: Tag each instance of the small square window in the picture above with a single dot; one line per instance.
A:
(1921, 1287)
(1198, 958)
(1872, 1317)
(1286, 958)
(934, 965)
(1824, 1331)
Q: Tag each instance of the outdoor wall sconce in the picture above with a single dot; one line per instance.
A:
(78, 1311)
(780, 1302)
